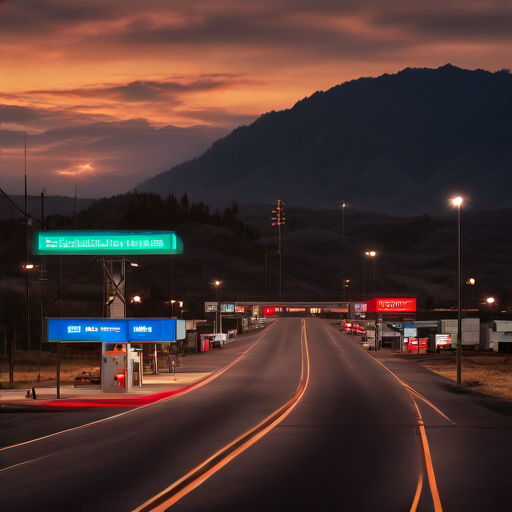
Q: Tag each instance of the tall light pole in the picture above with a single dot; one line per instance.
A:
(457, 202)
(279, 221)
(266, 274)
(343, 249)
(471, 281)
(363, 276)
(217, 309)
(372, 254)
(490, 301)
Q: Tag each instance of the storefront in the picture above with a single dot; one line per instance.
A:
(383, 319)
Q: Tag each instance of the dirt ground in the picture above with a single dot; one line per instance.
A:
(40, 369)
(488, 373)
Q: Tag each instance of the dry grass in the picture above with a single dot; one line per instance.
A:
(490, 374)
(40, 370)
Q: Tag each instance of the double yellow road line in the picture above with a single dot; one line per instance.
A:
(217, 461)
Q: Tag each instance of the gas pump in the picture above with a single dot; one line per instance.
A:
(120, 368)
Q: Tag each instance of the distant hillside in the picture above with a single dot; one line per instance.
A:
(416, 256)
(53, 205)
(399, 144)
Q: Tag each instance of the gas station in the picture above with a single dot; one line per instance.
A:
(121, 363)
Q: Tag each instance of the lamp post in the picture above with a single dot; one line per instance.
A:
(136, 302)
(217, 309)
(363, 277)
(372, 254)
(266, 274)
(457, 202)
(472, 281)
(490, 301)
(172, 308)
(343, 249)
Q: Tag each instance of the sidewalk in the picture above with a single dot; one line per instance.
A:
(194, 368)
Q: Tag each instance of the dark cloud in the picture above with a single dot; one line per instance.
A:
(18, 115)
(217, 117)
(239, 24)
(147, 90)
(39, 119)
(38, 18)
(475, 26)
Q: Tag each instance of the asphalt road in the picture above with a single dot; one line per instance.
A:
(121, 463)
(351, 443)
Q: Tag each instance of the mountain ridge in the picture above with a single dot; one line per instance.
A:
(405, 136)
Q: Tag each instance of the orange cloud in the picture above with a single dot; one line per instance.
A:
(92, 64)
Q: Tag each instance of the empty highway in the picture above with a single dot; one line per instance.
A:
(303, 419)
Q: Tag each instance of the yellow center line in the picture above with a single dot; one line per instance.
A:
(418, 493)
(198, 475)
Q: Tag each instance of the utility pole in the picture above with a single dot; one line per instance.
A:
(27, 255)
(76, 179)
(42, 274)
(279, 221)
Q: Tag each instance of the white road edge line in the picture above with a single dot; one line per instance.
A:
(199, 384)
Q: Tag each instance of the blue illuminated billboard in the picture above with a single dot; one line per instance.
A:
(111, 330)
(102, 243)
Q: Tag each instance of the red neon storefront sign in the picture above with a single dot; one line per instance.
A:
(269, 311)
(392, 305)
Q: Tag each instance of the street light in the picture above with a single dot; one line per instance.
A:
(217, 309)
(471, 282)
(490, 301)
(373, 254)
(457, 202)
(343, 249)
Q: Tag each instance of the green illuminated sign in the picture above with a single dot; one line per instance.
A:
(107, 242)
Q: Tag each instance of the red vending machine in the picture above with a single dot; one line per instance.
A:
(205, 342)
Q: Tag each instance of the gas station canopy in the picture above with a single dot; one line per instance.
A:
(115, 330)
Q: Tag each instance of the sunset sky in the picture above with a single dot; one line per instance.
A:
(96, 81)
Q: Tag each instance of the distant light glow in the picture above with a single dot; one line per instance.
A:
(88, 167)
(371, 253)
(457, 201)
(490, 300)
